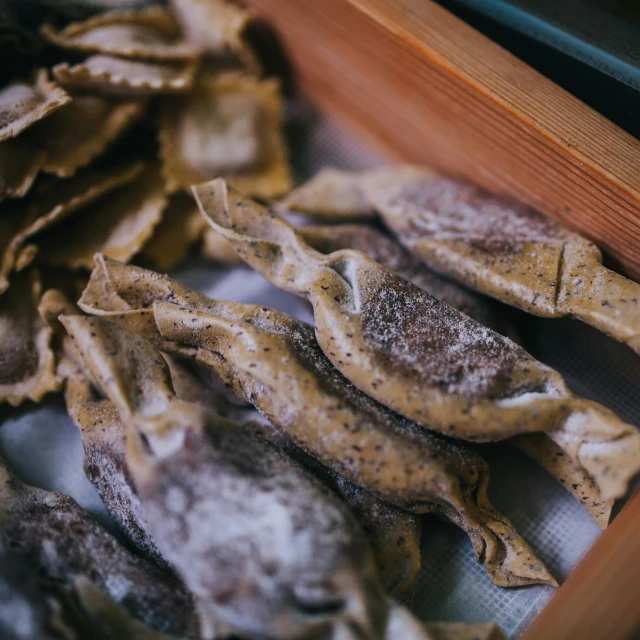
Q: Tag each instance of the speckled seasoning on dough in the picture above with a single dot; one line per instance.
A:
(27, 363)
(268, 358)
(43, 528)
(261, 545)
(501, 248)
(389, 254)
(472, 396)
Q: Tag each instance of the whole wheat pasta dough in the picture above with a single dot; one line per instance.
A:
(269, 358)
(180, 228)
(119, 76)
(417, 355)
(104, 437)
(23, 103)
(393, 533)
(20, 163)
(22, 592)
(33, 609)
(50, 202)
(147, 34)
(107, 619)
(43, 528)
(230, 125)
(27, 362)
(501, 248)
(385, 251)
(118, 225)
(263, 547)
(81, 131)
(389, 254)
(334, 195)
(278, 366)
(217, 250)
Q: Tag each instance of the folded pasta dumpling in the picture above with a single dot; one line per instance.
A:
(119, 225)
(338, 195)
(149, 34)
(50, 202)
(393, 533)
(20, 163)
(104, 437)
(34, 609)
(110, 74)
(510, 252)
(261, 545)
(180, 228)
(43, 528)
(81, 131)
(28, 611)
(104, 616)
(22, 104)
(417, 355)
(217, 250)
(27, 363)
(389, 254)
(274, 362)
(218, 27)
(503, 249)
(228, 125)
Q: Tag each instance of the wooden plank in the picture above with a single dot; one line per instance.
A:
(427, 88)
(601, 597)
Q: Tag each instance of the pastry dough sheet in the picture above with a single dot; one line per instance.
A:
(45, 449)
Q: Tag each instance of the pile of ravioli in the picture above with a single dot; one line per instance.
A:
(97, 154)
(268, 480)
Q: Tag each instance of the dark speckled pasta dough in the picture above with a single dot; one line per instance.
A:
(393, 533)
(263, 547)
(269, 358)
(27, 363)
(417, 355)
(389, 254)
(104, 437)
(511, 253)
(44, 528)
(36, 609)
(25, 103)
(274, 359)
(26, 610)
(501, 248)
(104, 619)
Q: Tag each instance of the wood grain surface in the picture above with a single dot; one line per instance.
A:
(427, 88)
(601, 598)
